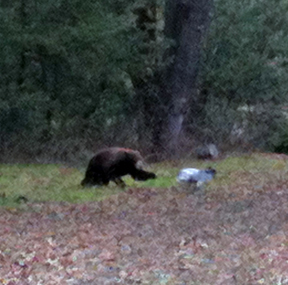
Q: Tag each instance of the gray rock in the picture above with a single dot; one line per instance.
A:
(209, 151)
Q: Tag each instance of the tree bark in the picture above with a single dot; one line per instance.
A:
(186, 22)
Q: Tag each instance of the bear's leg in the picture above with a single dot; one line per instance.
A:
(105, 182)
(119, 182)
(142, 175)
(94, 179)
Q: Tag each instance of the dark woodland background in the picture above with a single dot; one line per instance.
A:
(160, 76)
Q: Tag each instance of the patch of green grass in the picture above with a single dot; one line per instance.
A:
(253, 163)
(47, 182)
(52, 182)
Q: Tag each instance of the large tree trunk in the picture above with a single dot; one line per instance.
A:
(186, 22)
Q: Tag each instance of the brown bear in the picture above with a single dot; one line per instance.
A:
(110, 164)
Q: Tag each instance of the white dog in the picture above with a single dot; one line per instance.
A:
(196, 176)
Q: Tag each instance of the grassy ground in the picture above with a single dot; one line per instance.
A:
(42, 182)
(53, 182)
(151, 232)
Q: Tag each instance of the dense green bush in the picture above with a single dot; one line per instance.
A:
(244, 63)
(78, 74)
